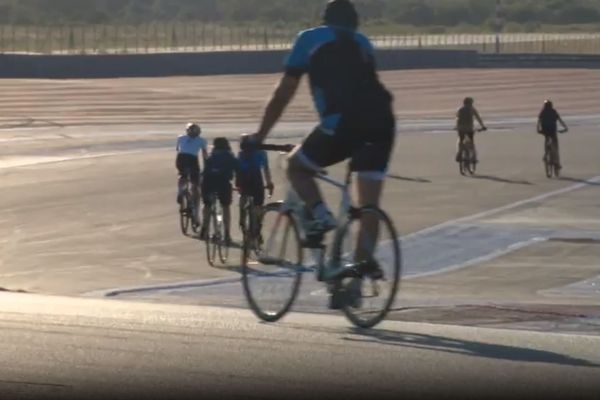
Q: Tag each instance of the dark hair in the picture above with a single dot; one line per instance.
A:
(221, 143)
(341, 13)
(468, 100)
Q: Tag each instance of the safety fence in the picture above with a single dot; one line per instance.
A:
(195, 37)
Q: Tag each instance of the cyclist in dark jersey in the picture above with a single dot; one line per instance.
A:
(219, 171)
(465, 124)
(355, 109)
(548, 126)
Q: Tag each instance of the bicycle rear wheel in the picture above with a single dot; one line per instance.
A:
(471, 165)
(372, 296)
(463, 162)
(271, 279)
(211, 235)
(222, 246)
(184, 213)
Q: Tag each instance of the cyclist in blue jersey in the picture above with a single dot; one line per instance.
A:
(355, 109)
(219, 171)
(252, 165)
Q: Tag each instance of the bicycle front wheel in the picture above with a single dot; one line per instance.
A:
(376, 246)
(271, 274)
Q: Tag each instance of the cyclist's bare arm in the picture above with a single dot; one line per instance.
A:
(283, 94)
(204, 155)
(476, 114)
(563, 123)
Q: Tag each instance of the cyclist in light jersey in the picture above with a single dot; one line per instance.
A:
(188, 147)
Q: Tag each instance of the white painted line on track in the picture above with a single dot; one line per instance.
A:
(479, 260)
(501, 209)
(163, 287)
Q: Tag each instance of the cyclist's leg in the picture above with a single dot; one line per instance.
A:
(318, 151)
(371, 163)
(181, 170)
(555, 149)
(459, 145)
(195, 179)
(206, 191)
(225, 198)
(471, 135)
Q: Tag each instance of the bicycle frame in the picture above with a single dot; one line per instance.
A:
(295, 206)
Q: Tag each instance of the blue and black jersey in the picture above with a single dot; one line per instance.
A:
(250, 166)
(341, 67)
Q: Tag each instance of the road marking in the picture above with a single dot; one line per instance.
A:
(478, 260)
(161, 288)
(501, 209)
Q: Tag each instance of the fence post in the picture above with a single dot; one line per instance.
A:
(71, 39)
(543, 44)
(266, 39)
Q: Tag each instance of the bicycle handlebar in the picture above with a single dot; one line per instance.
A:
(284, 148)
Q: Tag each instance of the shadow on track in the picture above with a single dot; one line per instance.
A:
(465, 347)
(501, 180)
(577, 180)
(405, 178)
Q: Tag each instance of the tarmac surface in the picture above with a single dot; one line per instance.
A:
(88, 194)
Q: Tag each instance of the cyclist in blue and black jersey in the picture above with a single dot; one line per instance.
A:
(219, 171)
(355, 109)
(252, 165)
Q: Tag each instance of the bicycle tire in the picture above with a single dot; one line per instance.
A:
(184, 218)
(222, 246)
(211, 232)
(463, 163)
(390, 245)
(253, 277)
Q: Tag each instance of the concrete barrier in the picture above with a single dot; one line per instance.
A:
(259, 62)
(538, 61)
(214, 63)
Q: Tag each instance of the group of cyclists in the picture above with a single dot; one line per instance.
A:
(249, 170)
(357, 122)
(547, 125)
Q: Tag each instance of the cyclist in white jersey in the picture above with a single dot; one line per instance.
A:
(188, 148)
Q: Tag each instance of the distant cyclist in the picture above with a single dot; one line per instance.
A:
(465, 125)
(252, 165)
(548, 126)
(219, 171)
(188, 147)
(355, 109)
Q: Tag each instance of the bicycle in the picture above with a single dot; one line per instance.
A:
(551, 166)
(188, 207)
(467, 159)
(248, 221)
(357, 284)
(214, 232)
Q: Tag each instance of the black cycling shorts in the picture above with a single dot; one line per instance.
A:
(470, 133)
(368, 143)
(188, 162)
(223, 191)
(254, 188)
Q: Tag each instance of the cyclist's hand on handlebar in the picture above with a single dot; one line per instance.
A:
(483, 128)
(271, 188)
